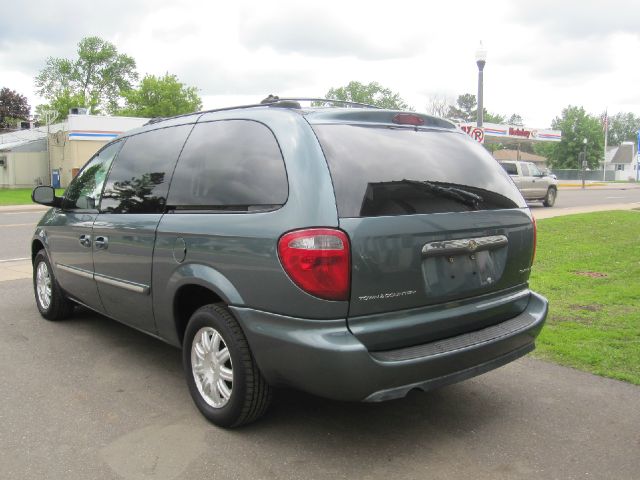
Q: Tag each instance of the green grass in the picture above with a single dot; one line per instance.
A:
(594, 321)
(19, 196)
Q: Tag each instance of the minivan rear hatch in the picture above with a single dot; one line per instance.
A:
(433, 220)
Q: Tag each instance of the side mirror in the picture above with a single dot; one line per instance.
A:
(45, 195)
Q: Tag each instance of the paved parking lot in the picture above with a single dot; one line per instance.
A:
(90, 398)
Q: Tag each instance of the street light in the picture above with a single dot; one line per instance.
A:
(481, 60)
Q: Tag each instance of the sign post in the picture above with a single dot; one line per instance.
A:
(638, 159)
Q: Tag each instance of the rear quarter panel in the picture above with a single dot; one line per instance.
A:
(239, 250)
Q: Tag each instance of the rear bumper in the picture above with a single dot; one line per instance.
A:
(324, 358)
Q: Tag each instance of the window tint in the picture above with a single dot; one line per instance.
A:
(510, 168)
(84, 191)
(525, 170)
(400, 171)
(533, 170)
(139, 179)
(231, 165)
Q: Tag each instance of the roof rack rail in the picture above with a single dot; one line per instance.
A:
(327, 100)
(155, 120)
(270, 100)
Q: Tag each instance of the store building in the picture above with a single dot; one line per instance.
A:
(80, 138)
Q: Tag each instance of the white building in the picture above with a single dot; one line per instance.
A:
(24, 160)
(623, 160)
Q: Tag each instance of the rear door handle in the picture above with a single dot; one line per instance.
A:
(101, 243)
(85, 240)
(464, 245)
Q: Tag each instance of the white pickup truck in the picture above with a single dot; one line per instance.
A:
(532, 183)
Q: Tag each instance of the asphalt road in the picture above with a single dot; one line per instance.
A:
(16, 229)
(90, 398)
(576, 197)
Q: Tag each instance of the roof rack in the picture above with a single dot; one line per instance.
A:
(156, 120)
(325, 100)
(271, 100)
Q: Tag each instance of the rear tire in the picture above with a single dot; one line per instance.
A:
(550, 199)
(50, 299)
(223, 378)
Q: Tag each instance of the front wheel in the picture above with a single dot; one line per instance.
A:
(50, 299)
(550, 199)
(223, 378)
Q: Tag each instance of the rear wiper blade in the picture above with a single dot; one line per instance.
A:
(459, 194)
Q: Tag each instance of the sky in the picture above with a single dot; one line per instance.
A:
(541, 56)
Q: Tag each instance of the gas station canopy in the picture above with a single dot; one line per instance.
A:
(496, 133)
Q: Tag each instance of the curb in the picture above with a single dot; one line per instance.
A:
(23, 208)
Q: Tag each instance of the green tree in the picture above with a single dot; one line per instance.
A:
(515, 119)
(492, 117)
(576, 125)
(61, 104)
(623, 127)
(372, 93)
(13, 108)
(466, 110)
(160, 97)
(95, 79)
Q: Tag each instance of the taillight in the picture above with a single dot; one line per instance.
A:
(535, 238)
(318, 261)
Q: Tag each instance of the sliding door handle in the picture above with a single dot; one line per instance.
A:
(85, 240)
(101, 243)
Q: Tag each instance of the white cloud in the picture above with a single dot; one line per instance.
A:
(542, 55)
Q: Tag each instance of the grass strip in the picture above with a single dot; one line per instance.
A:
(19, 196)
(588, 266)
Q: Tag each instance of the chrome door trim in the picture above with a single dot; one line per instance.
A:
(115, 282)
(463, 245)
(81, 272)
(131, 286)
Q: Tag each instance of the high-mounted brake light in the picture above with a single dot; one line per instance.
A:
(408, 119)
(318, 260)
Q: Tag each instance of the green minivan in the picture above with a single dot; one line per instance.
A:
(351, 252)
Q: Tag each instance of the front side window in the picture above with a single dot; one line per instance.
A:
(232, 165)
(139, 179)
(84, 191)
(533, 170)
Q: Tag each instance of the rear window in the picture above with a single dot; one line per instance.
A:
(400, 171)
(510, 168)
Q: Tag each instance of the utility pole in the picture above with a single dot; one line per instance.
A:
(606, 134)
(583, 162)
(49, 117)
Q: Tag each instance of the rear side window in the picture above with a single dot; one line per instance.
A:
(525, 169)
(140, 176)
(379, 170)
(233, 165)
(510, 168)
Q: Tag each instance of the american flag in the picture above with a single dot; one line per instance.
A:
(605, 121)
